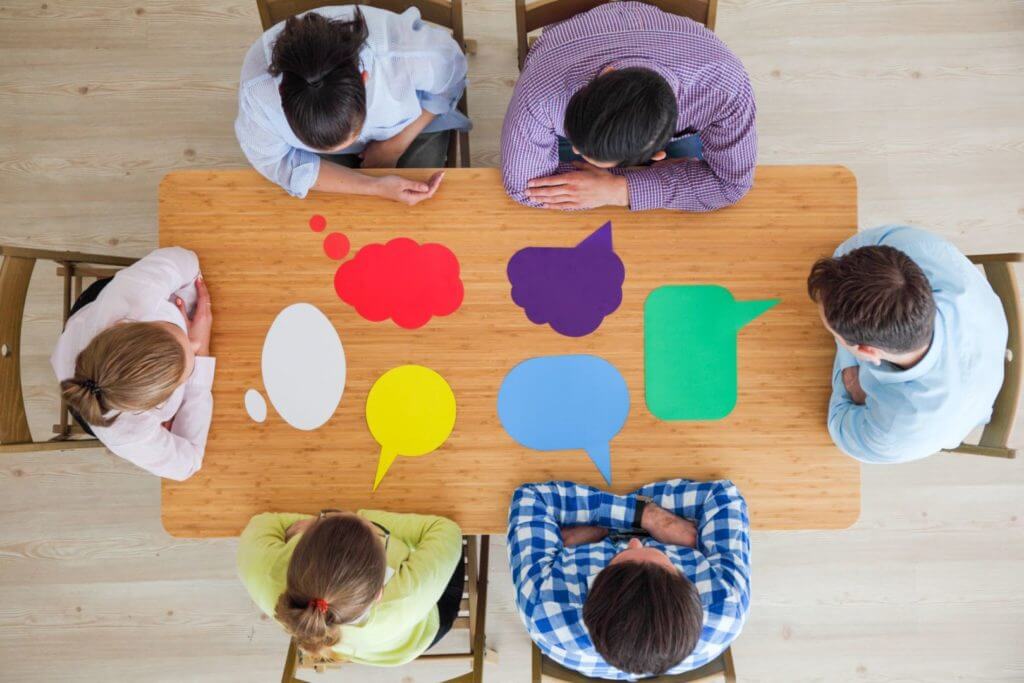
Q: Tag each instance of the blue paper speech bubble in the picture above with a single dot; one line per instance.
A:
(556, 403)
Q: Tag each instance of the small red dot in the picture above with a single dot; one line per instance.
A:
(336, 246)
(317, 223)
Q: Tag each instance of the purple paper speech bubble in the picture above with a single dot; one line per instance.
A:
(570, 288)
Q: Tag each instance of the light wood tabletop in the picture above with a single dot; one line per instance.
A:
(258, 255)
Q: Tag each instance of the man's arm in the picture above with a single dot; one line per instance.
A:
(723, 526)
(725, 175)
(535, 516)
(529, 147)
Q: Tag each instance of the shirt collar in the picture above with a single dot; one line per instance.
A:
(643, 63)
(887, 373)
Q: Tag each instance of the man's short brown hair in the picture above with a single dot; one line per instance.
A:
(643, 618)
(876, 296)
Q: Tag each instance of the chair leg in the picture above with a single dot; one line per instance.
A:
(288, 675)
(729, 670)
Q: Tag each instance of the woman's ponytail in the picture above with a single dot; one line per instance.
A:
(84, 396)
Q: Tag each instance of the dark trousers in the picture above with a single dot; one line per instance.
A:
(87, 297)
(428, 150)
(448, 603)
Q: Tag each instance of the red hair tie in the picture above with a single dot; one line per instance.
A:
(320, 605)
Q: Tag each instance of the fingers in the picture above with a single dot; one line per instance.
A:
(202, 293)
(549, 181)
(542, 193)
(564, 206)
(435, 181)
(181, 306)
(414, 186)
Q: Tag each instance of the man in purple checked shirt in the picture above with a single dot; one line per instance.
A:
(626, 105)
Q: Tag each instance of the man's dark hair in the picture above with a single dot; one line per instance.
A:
(876, 296)
(625, 115)
(643, 618)
(322, 90)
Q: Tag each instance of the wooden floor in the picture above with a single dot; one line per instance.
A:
(924, 100)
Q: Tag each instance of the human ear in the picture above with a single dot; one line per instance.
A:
(658, 156)
(870, 353)
(366, 77)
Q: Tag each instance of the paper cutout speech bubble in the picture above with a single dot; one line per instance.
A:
(303, 366)
(690, 350)
(402, 280)
(572, 289)
(555, 403)
(410, 411)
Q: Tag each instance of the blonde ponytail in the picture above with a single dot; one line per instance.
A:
(336, 573)
(130, 366)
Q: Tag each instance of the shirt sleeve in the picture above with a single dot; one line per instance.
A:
(296, 170)
(437, 544)
(529, 147)
(438, 66)
(535, 517)
(723, 527)
(260, 547)
(867, 432)
(154, 277)
(724, 176)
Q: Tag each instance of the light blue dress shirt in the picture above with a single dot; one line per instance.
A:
(910, 414)
(414, 67)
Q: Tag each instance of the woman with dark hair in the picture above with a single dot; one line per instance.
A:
(341, 88)
(371, 587)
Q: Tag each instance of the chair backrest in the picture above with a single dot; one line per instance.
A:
(719, 667)
(446, 13)
(15, 274)
(995, 438)
(540, 13)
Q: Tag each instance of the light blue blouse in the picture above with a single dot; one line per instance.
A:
(910, 414)
(413, 66)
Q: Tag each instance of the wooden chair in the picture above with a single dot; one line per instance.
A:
(995, 438)
(540, 13)
(720, 667)
(472, 617)
(15, 273)
(446, 13)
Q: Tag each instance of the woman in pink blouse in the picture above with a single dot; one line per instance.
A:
(135, 366)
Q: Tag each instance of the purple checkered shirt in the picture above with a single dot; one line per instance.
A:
(715, 100)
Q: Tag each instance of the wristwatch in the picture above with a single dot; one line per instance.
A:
(641, 503)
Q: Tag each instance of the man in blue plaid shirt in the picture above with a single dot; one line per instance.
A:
(622, 587)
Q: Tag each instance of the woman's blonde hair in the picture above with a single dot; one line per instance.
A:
(335, 575)
(130, 366)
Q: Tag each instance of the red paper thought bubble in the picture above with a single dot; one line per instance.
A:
(402, 280)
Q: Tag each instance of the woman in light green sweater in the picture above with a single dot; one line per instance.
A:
(371, 587)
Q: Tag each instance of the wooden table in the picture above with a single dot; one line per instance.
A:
(258, 255)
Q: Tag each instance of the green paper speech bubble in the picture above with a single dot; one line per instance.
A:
(690, 350)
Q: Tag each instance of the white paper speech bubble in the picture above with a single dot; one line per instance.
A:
(303, 366)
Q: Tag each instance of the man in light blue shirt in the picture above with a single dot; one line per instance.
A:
(375, 88)
(921, 343)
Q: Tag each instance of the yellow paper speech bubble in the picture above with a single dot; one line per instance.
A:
(410, 411)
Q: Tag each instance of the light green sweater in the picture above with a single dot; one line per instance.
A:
(423, 551)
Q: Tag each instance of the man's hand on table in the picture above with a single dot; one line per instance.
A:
(585, 188)
(851, 380)
(667, 528)
(581, 535)
(409, 192)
